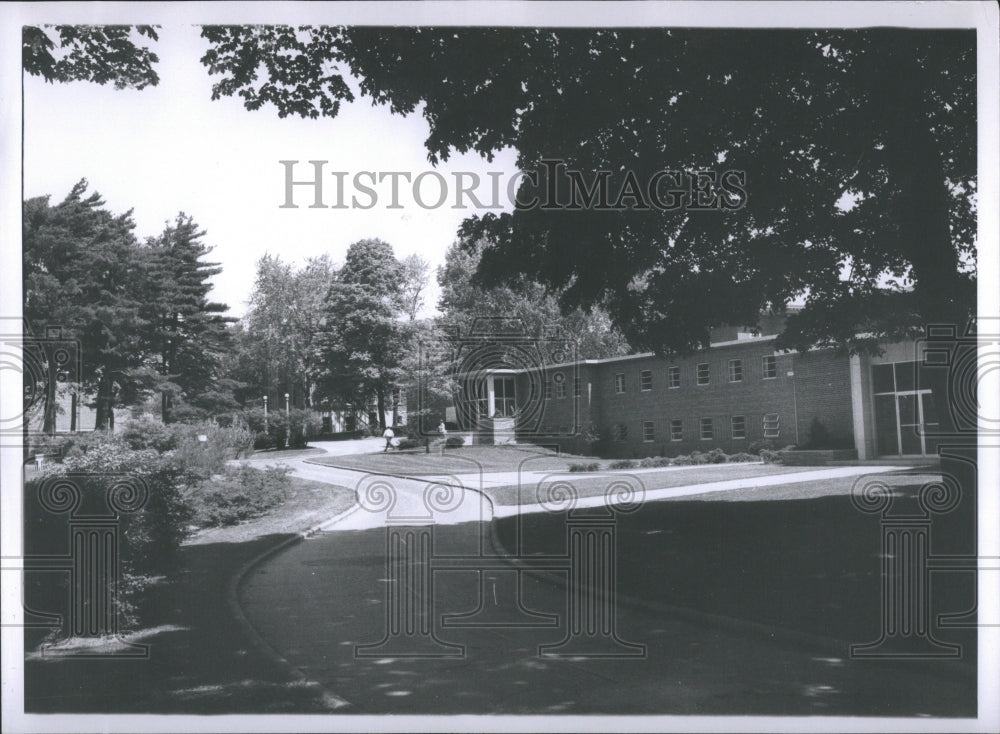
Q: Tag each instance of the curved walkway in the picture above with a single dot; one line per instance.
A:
(328, 605)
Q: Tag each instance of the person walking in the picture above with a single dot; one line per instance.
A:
(388, 435)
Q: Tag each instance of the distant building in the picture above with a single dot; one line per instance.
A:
(737, 392)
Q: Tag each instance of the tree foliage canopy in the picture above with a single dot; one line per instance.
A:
(858, 148)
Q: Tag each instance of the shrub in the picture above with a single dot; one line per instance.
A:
(819, 436)
(305, 425)
(755, 447)
(682, 460)
(697, 457)
(408, 443)
(148, 538)
(651, 462)
(239, 494)
(453, 442)
(716, 456)
(196, 459)
(263, 441)
(149, 433)
(591, 466)
(742, 456)
(622, 464)
(771, 457)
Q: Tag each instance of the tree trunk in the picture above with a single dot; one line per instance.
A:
(945, 300)
(103, 402)
(49, 416)
(380, 394)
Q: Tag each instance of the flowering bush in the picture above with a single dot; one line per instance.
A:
(305, 425)
(150, 524)
(239, 494)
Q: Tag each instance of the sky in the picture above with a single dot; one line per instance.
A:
(170, 148)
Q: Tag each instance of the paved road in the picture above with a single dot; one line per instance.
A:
(323, 600)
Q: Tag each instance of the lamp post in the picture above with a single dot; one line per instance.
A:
(288, 421)
(795, 407)
(265, 415)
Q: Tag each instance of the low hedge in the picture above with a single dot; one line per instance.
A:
(238, 494)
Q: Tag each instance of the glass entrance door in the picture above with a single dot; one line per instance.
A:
(886, 426)
(911, 440)
(902, 422)
(904, 413)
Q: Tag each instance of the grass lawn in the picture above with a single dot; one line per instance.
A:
(276, 454)
(798, 556)
(589, 485)
(464, 460)
(200, 660)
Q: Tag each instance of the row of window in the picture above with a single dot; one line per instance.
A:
(556, 386)
(703, 374)
(706, 429)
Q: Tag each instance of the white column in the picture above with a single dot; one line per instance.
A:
(491, 394)
(858, 408)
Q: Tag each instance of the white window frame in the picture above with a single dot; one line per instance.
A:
(619, 383)
(773, 361)
(701, 429)
(648, 431)
(708, 374)
(736, 370)
(646, 378)
(772, 425)
(672, 372)
(679, 425)
(742, 429)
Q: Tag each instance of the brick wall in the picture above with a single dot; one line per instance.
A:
(821, 389)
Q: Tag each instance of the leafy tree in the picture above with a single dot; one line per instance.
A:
(416, 274)
(187, 335)
(80, 272)
(276, 348)
(364, 342)
(463, 300)
(884, 117)
(100, 54)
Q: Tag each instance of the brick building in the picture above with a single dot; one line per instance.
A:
(738, 391)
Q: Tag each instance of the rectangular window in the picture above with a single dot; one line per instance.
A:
(739, 426)
(548, 389)
(703, 373)
(882, 380)
(560, 384)
(620, 432)
(503, 397)
(673, 377)
(736, 370)
(676, 430)
(770, 367)
(576, 387)
(707, 434)
(648, 431)
(772, 426)
(620, 382)
(646, 380)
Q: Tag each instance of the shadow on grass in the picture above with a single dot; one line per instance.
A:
(200, 661)
(812, 565)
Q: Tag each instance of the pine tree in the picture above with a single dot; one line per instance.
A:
(187, 335)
